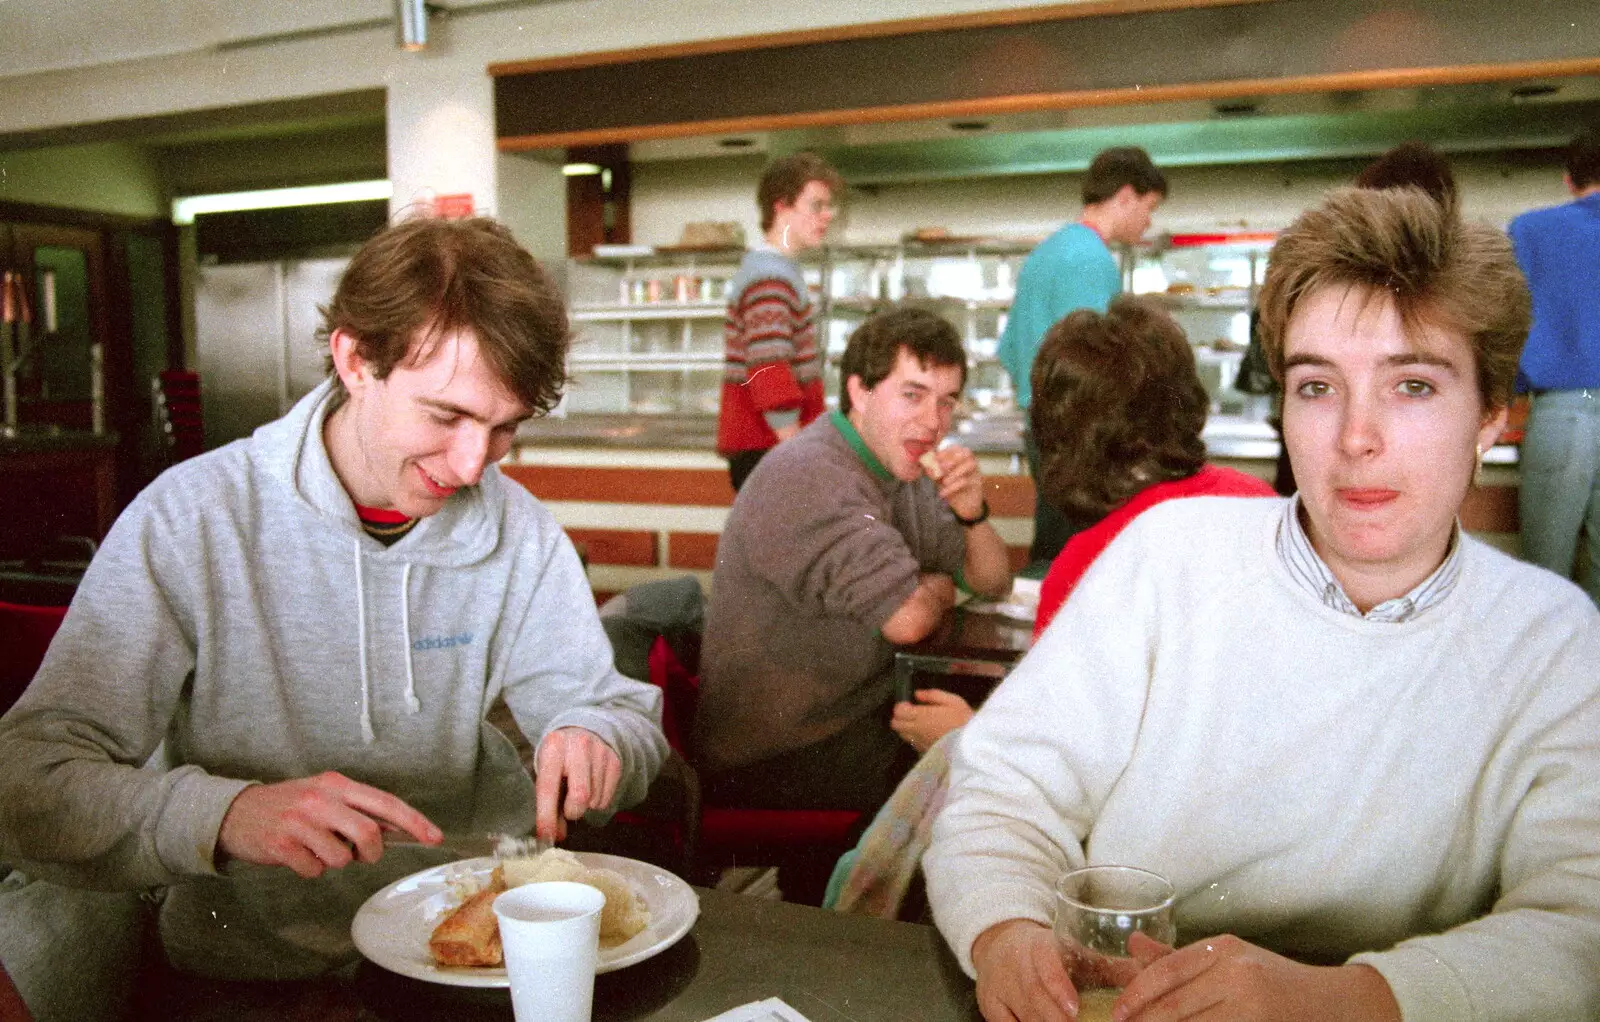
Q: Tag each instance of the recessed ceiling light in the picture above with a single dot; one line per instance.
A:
(969, 125)
(411, 16)
(735, 143)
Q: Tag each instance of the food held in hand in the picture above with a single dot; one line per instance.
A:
(930, 464)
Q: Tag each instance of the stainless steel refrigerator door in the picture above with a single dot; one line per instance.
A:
(309, 284)
(256, 344)
(238, 347)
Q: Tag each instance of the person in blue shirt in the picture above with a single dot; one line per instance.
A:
(1559, 252)
(1072, 269)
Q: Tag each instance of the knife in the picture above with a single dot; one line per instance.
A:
(466, 846)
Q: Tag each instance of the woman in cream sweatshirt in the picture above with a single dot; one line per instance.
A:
(1364, 746)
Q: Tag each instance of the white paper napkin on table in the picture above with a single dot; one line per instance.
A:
(1021, 605)
(773, 1009)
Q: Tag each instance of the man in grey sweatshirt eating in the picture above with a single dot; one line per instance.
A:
(286, 647)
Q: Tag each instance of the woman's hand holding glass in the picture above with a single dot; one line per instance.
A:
(1111, 949)
(1111, 921)
(1022, 974)
(1021, 977)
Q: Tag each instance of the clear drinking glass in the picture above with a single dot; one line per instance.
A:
(1097, 909)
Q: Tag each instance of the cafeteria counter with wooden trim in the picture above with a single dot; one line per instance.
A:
(647, 514)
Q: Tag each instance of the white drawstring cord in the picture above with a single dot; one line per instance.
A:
(413, 704)
(361, 637)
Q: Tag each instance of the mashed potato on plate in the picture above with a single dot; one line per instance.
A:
(625, 915)
(469, 934)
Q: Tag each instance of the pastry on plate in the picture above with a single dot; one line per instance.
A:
(469, 935)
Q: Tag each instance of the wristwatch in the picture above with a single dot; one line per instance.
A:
(983, 516)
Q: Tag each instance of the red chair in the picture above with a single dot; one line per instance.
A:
(12, 1007)
(731, 835)
(177, 406)
(675, 818)
(25, 633)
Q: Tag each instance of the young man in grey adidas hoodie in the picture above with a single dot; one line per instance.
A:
(311, 624)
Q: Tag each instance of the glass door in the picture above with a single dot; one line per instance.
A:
(58, 372)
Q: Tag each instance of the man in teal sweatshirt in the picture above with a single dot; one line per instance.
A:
(1072, 269)
(286, 647)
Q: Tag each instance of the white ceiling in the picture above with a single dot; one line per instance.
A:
(47, 35)
(52, 35)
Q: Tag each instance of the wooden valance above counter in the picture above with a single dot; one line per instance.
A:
(1053, 57)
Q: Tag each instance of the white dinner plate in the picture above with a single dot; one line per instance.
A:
(393, 926)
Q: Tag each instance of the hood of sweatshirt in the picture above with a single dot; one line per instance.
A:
(291, 451)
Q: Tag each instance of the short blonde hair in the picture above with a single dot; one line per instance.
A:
(1439, 271)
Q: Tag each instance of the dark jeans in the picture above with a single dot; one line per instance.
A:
(741, 464)
(857, 768)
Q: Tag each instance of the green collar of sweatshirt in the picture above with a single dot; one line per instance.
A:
(847, 429)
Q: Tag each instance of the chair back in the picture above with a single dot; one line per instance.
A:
(680, 689)
(25, 634)
(728, 835)
(12, 1007)
(177, 408)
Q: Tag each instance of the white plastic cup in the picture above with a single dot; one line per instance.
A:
(551, 936)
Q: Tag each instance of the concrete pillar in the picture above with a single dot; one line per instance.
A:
(440, 133)
(533, 203)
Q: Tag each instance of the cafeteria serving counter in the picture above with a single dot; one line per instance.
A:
(984, 433)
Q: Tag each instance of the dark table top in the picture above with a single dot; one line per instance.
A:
(976, 635)
(968, 653)
(829, 966)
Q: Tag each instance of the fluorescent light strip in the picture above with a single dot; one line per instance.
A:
(184, 210)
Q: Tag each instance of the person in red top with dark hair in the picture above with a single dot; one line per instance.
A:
(1117, 413)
